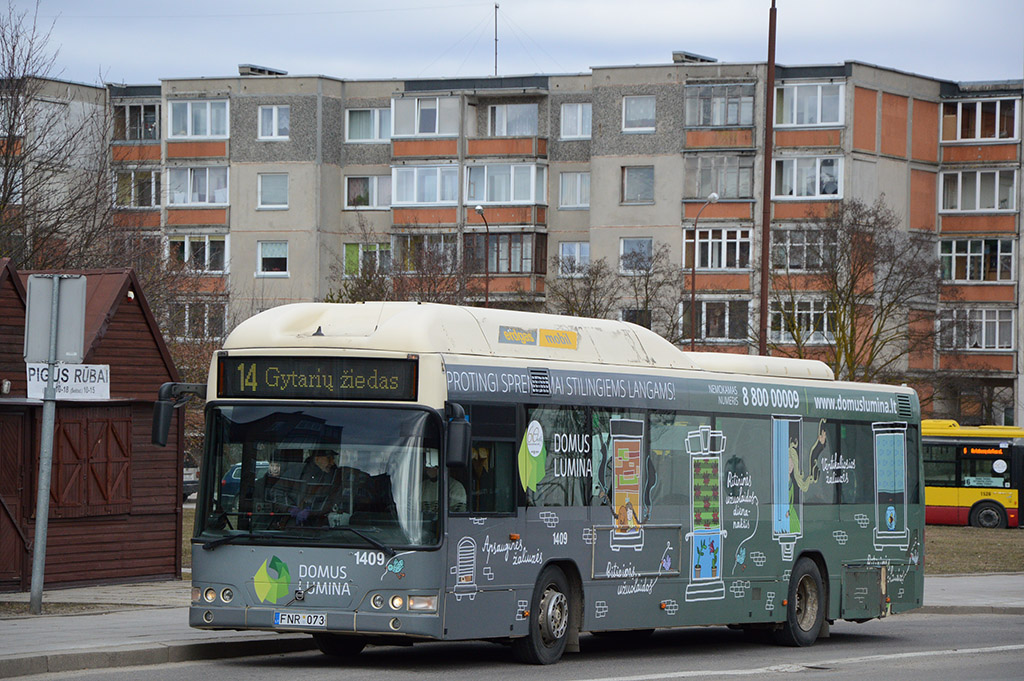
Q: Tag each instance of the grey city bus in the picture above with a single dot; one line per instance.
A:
(414, 472)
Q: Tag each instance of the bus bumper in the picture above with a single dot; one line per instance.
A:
(417, 625)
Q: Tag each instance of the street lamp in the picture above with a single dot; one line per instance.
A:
(712, 198)
(487, 255)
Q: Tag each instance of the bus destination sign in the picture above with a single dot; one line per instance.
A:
(316, 378)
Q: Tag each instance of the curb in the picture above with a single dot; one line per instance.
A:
(967, 610)
(161, 653)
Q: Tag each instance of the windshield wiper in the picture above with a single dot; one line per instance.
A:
(388, 551)
(214, 543)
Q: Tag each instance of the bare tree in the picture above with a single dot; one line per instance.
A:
(584, 290)
(856, 290)
(652, 291)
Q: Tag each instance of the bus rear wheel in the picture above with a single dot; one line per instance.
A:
(548, 620)
(339, 646)
(805, 607)
(987, 514)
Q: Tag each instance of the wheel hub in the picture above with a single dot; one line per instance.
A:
(806, 603)
(554, 615)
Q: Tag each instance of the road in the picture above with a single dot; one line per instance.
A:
(905, 648)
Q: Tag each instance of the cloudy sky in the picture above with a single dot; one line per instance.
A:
(140, 42)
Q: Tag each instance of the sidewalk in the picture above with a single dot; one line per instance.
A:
(147, 623)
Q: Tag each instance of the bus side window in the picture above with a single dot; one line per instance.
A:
(940, 465)
(491, 480)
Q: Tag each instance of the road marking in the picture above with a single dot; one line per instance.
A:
(810, 664)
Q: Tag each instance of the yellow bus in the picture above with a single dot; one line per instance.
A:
(973, 474)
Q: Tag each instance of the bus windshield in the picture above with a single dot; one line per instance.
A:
(321, 475)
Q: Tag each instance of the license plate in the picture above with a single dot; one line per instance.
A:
(300, 619)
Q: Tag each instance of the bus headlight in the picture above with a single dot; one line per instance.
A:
(226, 595)
(423, 603)
(210, 595)
(377, 601)
(397, 602)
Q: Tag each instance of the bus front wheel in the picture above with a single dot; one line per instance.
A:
(548, 620)
(339, 646)
(987, 514)
(805, 608)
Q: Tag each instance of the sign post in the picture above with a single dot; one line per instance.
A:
(44, 310)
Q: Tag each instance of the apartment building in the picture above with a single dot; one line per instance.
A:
(275, 186)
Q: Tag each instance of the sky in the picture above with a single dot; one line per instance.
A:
(138, 42)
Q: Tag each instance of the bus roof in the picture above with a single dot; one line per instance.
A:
(950, 428)
(411, 327)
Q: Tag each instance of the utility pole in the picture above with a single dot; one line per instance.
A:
(496, 39)
(766, 189)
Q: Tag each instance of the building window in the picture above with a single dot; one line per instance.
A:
(575, 190)
(137, 122)
(809, 104)
(573, 258)
(425, 116)
(368, 125)
(987, 119)
(507, 254)
(512, 120)
(719, 105)
(717, 320)
(198, 186)
(274, 122)
(804, 250)
(273, 258)
(429, 253)
(138, 189)
(719, 249)
(638, 317)
(201, 253)
(638, 114)
(731, 177)
(976, 260)
(976, 329)
(506, 183)
(814, 177)
(201, 118)
(204, 320)
(635, 255)
(979, 190)
(810, 320)
(368, 192)
(359, 257)
(576, 120)
(272, 190)
(638, 184)
(425, 185)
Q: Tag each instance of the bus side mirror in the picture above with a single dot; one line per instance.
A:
(162, 412)
(170, 397)
(458, 437)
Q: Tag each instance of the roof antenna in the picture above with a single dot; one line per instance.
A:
(319, 331)
(496, 5)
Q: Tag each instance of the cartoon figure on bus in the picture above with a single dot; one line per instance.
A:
(791, 477)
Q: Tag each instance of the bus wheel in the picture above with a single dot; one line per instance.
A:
(806, 606)
(548, 620)
(987, 514)
(339, 646)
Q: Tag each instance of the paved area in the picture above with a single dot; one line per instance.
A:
(147, 623)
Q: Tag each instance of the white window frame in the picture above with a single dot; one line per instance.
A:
(793, 172)
(573, 257)
(626, 127)
(978, 174)
(260, 273)
(497, 119)
(623, 252)
(188, 311)
(143, 135)
(190, 104)
(154, 189)
(275, 123)
(813, 309)
(442, 128)
(381, 130)
(731, 176)
(365, 252)
(189, 239)
(974, 258)
(702, 319)
(727, 105)
(577, 195)
(260, 205)
(421, 174)
(718, 246)
(977, 105)
(786, 250)
(190, 181)
(584, 121)
(624, 196)
(537, 183)
(988, 332)
(377, 200)
(791, 89)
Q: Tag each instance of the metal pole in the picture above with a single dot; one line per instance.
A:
(45, 462)
(496, 39)
(712, 198)
(766, 189)
(487, 256)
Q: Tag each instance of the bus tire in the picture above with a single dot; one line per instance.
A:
(339, 646)
(988, 514)
(805, 607)
(549, 620)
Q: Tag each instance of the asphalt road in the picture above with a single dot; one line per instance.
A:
(905, 648)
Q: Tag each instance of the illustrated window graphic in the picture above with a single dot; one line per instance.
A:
(465, 569)
(705, 447)
(787, 496)
(890, 485)
(627, 447)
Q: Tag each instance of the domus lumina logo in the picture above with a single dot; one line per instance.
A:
(271, 589)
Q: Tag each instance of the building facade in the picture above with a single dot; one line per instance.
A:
(275, 188)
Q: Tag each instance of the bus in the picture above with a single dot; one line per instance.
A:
(420, 472)
(973, 474)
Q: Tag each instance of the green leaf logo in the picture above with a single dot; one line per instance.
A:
(532, 456)
(272, 589)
